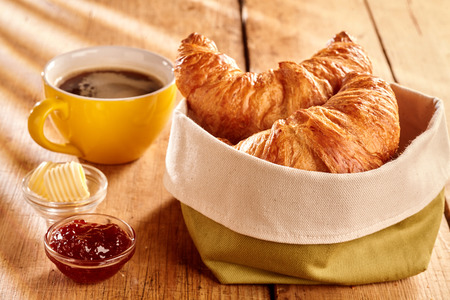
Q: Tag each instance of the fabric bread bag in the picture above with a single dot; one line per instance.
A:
(254, 221)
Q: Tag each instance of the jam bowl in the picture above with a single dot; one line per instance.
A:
(90, 248)
(52, 211)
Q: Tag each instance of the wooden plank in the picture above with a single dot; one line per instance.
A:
(415, 34)
(295, 30)
(288, 30)
(166, 264)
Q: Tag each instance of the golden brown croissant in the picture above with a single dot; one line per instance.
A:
(355, 130)
(233, 104)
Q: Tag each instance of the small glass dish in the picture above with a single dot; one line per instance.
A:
(90, 271)
(97, 184)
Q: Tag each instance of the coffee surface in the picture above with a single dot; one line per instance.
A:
(111, 84)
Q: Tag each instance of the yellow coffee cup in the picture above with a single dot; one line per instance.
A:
(111, 130)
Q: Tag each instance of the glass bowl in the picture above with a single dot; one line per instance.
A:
(52, 211)
(90, 271)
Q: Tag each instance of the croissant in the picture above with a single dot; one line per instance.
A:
(233, 104)
(355, 130)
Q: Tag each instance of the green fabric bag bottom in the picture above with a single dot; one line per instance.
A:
(396, 252)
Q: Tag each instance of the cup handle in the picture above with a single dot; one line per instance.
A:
(36, 122)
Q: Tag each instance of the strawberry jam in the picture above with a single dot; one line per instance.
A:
(89, 241)
(89, 252)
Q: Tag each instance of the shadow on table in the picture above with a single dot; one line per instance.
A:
(166, 250)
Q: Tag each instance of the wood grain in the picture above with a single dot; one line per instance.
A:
(289, 30)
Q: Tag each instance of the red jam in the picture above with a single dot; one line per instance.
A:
(91, 243)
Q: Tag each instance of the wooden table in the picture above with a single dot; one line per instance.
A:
(408, 41)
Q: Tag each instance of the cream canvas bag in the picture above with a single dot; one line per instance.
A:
(257, 200)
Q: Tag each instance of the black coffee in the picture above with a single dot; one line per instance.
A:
(111, 84)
